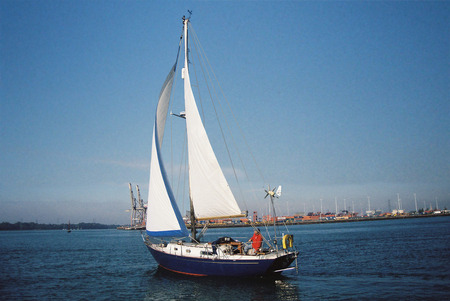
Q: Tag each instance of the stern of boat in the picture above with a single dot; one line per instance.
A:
(283, 262)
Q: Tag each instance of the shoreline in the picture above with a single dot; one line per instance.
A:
(323, 221)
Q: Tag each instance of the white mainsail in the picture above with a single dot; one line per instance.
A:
(163, 216)
(209, 190)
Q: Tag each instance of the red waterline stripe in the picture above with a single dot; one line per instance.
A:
(183, 272)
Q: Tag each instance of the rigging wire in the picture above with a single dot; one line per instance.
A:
(214, 90)
(183, 155)
(201, 54)
(171, 103)
(237, 149)
(199, 96)
(209, 68)
(228, 103)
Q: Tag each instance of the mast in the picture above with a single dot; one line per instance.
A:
(209, 190)
(415, 201)
(184, 72)
(320, 218)
(272, 194)
(193, 221)
(335, 203)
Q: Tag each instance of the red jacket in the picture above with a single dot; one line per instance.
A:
(257, 240)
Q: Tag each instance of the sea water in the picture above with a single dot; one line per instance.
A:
(406, 259)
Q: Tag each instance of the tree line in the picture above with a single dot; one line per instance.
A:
(35, 226)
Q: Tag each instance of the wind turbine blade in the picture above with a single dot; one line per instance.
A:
(278, 192)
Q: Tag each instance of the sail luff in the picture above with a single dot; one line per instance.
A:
(209, 190)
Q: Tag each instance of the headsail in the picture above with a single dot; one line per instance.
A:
(209, 190)
(163, 103)
(163, 216)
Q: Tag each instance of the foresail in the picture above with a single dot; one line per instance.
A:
(209, 190)
(163, 216)
(163, 104)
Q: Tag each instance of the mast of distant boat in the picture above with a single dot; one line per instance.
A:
(415, 201)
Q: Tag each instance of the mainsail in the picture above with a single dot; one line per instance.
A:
(209, 190)
(163, 216)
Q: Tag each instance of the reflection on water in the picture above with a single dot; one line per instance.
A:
(174, 286)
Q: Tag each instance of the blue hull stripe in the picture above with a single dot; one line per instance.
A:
(171, 233)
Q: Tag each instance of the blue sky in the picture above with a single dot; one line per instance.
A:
(338, 99)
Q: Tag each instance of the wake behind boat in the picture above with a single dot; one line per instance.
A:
(210, 198)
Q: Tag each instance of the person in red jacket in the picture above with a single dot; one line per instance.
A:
(256, 240)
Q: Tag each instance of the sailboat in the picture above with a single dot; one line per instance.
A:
(167, 237)
(68, 228)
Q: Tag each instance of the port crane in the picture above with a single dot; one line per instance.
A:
(138, 210)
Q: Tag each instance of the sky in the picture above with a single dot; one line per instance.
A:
(339, 100)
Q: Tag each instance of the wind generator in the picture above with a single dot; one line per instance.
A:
(274, 193)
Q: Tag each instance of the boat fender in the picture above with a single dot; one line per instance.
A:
(288, 241)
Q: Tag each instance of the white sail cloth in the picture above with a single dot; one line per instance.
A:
(209, 190)
(163, 216)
